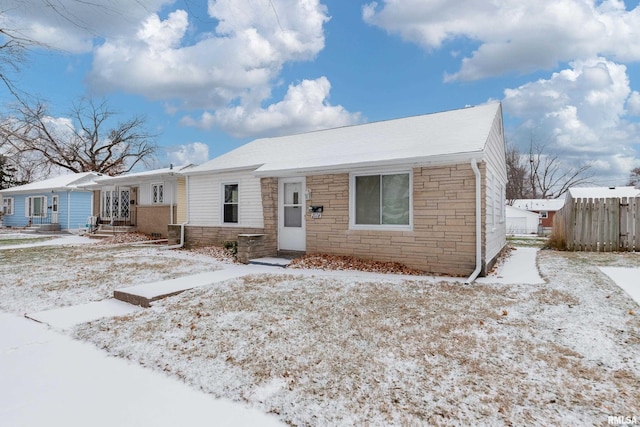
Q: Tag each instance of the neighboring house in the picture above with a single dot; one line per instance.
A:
(59, 203)
(146, 201)
(601, 192)
(426, 191)
(520, 221)
(545, 208)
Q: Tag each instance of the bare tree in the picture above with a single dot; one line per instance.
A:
(549, 178)
(84, 143)
(634, 177)
(13, 47)
(516, 175)
(540, 175)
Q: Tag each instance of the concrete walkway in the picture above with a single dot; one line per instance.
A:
(131, 299)
(49, 379)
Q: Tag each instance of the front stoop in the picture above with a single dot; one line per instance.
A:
(142, 301)
(144, 295)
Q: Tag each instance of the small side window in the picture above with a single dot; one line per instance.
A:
(230, 204)
(157, 193)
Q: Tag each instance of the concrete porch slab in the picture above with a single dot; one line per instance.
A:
(145, 294)
(271, 261)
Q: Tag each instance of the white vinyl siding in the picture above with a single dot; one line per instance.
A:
(205, 199)
(495, 181)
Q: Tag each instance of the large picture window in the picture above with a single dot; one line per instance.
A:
(230, 204)
(36, 206)
(383, 199)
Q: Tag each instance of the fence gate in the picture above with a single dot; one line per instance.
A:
(600, 225)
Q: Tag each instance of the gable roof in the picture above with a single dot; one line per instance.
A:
(539, 204)
(140, 176)
(59, 183)
(433, 137)
(602, 192)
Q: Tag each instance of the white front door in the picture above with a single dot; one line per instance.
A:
(55, 209)
(291, 222)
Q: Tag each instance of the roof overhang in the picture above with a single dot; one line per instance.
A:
(280, 170)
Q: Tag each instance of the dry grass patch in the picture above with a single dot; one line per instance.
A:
(41, 278)
(321, 351)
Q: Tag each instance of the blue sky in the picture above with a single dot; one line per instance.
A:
(210, 76)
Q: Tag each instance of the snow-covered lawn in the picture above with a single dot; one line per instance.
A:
(35, 278)
(342, 350)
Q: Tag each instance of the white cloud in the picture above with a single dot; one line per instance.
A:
(304, 107)
(580, 113)
(74, 25)
(514, 35)
(239, 60)
(194, 153)
(633, 103)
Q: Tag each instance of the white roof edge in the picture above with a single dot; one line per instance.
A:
(57, 185)
(222, 170)
(348, 167)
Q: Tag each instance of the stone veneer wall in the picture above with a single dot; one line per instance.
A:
(443, 237)
(153, 219)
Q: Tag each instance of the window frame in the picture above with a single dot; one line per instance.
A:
(30, 205)
(379, 227)
(157, 200)
(223, 204)
(11, 211)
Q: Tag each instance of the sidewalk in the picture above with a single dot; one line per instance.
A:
(48, 379)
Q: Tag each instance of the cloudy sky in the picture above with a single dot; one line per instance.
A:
(212, 75)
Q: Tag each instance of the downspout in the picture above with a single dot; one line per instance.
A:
(476, 272)
(68, 209)
(174, 187)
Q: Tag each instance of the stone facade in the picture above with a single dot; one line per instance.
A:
(443, 237)
(442, 240)
(153, 220)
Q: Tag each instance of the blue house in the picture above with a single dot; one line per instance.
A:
(53, 204)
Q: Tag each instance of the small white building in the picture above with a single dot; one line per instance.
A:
(521, 221)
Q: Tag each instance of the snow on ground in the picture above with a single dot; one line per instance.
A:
(344, 348)
(38, 240)
(626, 278)
(519, 267)
(47, 379)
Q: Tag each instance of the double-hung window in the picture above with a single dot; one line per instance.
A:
(157, 193)
(230, 204)
(7, 205)
(36, 206)
(381, 200)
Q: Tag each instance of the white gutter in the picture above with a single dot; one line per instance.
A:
(476, 172)
(68, 209)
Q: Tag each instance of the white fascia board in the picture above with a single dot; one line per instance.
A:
(266, 171)
(221, 170)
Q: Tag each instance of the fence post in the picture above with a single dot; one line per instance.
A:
(615, 224)
(636, 223)
(600, 225)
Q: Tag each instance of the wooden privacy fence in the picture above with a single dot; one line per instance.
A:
(599, 225)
